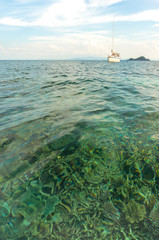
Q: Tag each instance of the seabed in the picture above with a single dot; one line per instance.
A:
(86, 184)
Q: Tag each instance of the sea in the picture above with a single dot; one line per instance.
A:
(79, 150)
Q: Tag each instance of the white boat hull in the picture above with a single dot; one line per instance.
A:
(113, 59)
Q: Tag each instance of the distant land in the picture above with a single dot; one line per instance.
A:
(139, 59)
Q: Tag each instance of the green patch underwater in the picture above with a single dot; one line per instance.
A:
(93, 182)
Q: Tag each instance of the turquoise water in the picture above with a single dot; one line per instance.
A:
(79, 150)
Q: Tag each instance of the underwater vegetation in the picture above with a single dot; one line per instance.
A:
(82, 186)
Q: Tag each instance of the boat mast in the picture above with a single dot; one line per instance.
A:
(113, 36)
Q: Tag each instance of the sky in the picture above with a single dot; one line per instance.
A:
(78, 29)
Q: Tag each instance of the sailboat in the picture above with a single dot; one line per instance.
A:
(113, 57)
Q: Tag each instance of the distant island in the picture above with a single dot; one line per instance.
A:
(139, 59)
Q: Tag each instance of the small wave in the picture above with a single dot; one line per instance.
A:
(48, 86)
(64, 75)
(99, 111)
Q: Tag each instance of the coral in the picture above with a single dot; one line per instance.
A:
(134, 212)
(81, 188)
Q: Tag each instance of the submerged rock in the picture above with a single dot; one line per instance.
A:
(148, 172)
(154, 137)
(111, 213)
(63, 141)
(50, 205)
(154, 218)
(134, 212)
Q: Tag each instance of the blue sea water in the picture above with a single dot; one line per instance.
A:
(79, 150)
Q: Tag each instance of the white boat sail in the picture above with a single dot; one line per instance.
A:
(113, 57)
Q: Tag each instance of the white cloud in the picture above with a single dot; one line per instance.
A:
(54, 18)
(95, 44)
(60, 47)
(103, 3)
(71, 13)
(148, 15)
(13, 22)
(156, 25)
(77, 35)
(65, 13)
(80, 45)
(135, 49)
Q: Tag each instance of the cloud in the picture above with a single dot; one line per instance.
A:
(92, 44)
(68, 13)
(62, 16)
(80, 45)
(77, 35)
(63, 13)
(148, 15)
(138, 48)
(156, 25)
(13, 22)
(73, 13)
(103, 3)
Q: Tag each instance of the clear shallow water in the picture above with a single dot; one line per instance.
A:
(79, 150)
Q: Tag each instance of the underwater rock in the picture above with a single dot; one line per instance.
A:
(76, 163)
(5, 142)
(111, 213)
(46, 177)
(157, 183)
(150, 202)
(47, 190)
(154, 218)
(63, 141)
(70, 149)
(148, 172)
(156, 167)
(133, 170)
(20, 219)
(50, 205)
(134, 212)
(43, 229)
(154, 137)
(142, 194)
(5, 210)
